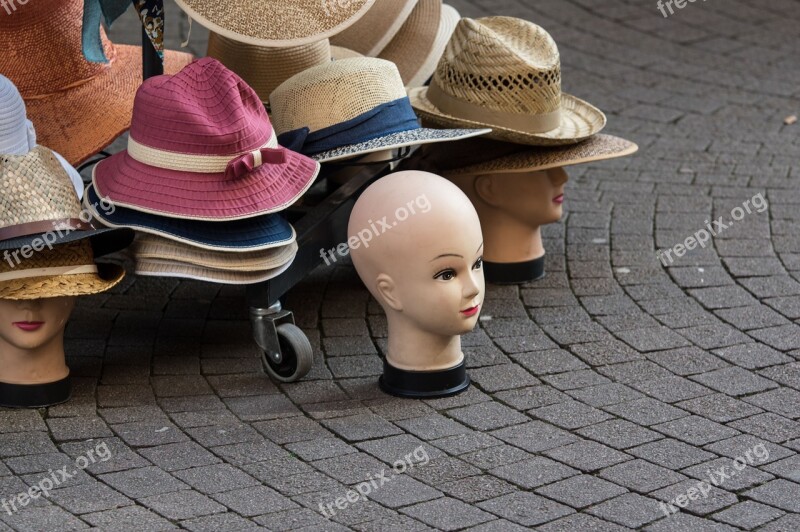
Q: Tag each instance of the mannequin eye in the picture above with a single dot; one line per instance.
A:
(446, 275)
(478, 264)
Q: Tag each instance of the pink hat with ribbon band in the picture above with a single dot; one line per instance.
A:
(201, 147)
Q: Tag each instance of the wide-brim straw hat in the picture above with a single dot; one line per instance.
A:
(184, 270)
(154, 247)
(237, 236)
(17, 133)
(66, 270)
(413, 43)
(505, 73)
(201, 147)
(370, 34)
(351, 107)
(484, 156)
(264, 68)
(38, 207)
(276, 23)
(422, 70)
(77, 107)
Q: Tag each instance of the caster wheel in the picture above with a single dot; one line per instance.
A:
(295, 358)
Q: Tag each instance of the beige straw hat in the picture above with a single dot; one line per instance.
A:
(170, 268)
(264, 68)
(65, 270)
(481, 156)
(412, 44)
(276, 23)
(372, 32)
(505, 73)
(425, 69)
(154, 247)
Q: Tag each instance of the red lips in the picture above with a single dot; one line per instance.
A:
(28, 326)
(471, 311)
(559, 199)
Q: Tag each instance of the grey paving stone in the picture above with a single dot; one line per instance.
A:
(787, 522)
(215, 478)
(570, 414)
(534, 472)
(405, 448)
(293, 429)
(23, 443)
(587, 455)
(254, 500)
(581, 491)
(572, 380)
(752, 356)
(580, 522)
(671, 389)
(783, 401)
(683, 521)
(734, 381)
(672, 454)
(531, 397)
(246, 453)
(402, 490)
(128, 518)
(782, 338)
(88, 497)
(787, 374)
(442, 470)
(746, 318)
(652, 339)
(477, 488)
(687, 360)
(498, 525)
(640, 370)
(392, 522)
(361, 427)
(487, 416)
(227, 434)
(681, 497)
(350, 468)
(495, 456)
(548, 361)
(619, 434)
(646, 411)
(748, 515)
(788, 468)
(320, 448)
(630, 509)
(535, 436)
(466, 443)
(432, 427)
(770, 427)
(526, 509)
(185, 504)
(447, 514)
(503, 377)
(292, 519)
(605, 394)
(143, 482)
(177, 456)
(696, 430)
(641, 476)
(228, 521)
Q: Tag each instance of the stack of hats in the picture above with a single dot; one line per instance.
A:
(78, 107)
(201, 180)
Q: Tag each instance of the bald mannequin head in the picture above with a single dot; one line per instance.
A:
(419, 254)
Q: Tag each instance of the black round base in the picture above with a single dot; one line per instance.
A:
(35, 395)
(513, 272)
(424, 384)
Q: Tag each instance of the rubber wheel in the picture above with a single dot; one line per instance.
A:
(297, 354)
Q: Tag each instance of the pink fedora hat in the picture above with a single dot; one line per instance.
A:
(201, 147)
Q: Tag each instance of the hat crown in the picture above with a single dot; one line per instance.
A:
(333, 93)
(205, 109)
(16, 137)
(35, 188)
(502, 63)
(41, 43)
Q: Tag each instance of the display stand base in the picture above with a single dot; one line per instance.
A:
(424, 384)
(35, 395)
(513, 272)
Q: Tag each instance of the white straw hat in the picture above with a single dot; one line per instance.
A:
(505, 73)
(17, 134)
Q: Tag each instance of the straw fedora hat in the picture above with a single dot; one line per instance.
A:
(482, 156)
(17, 134)
(237, 236)
(67, 270)
(78, 107)
(350, 107)
(201, 147)
(371, 33)
(38, 206)
(276, 23)
(413, 43)
(505, 73)
(157, 248)
(264, 68)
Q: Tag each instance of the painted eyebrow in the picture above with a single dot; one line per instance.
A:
(455, 255)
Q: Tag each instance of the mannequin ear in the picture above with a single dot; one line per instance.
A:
(486, 188)
(386, 288)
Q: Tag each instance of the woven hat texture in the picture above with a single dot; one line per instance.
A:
(370, 34)
(78, 107)
(201, 147)
(276, 23)
(32, 284)
(169, 268)
(424, 69)
(505, 73)
(414, 42)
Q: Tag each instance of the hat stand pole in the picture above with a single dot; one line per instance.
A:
(151, 62)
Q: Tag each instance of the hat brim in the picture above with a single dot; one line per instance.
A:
(83, 284)
(103, 240)
(199, 196)
(167, 268)
(244, 21)
(411, 45)
(597, 148)
(412, 137)
(579, 121)
(447, 25)
(251, 234)
(68, 121)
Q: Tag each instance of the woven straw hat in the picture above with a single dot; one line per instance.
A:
(17, 134)
(505, 73)
(185, 270)
(265, 68)
(78, 107)
(153, 247)
(67, 270)
(239, 236)
(201, 147)
(38, 205)
(425, 69)
(371, 33)
(414, 42)
(276, 23)
(350, 107)
(486, 156)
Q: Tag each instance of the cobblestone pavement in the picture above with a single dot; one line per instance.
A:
(611, 385)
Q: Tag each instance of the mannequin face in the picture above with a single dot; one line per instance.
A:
(533, 198)
(32, 323)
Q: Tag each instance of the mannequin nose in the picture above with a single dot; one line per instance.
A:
(29, 304)
(471, 287)
(558, 176)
